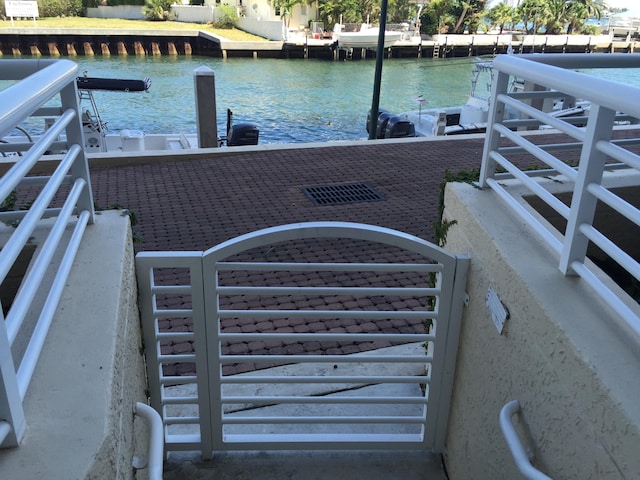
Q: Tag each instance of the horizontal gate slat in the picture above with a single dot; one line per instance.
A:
(324, 359)
(330, 267)
(371, 314)
(346, 420)
(236, 379)
(323, 400)
(353, 291)
(321, 337)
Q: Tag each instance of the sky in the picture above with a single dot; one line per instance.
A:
(621, 3)
(612, 3)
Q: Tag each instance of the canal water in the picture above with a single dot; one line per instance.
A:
(290, 101)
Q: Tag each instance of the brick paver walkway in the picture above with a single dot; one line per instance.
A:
(196, 204)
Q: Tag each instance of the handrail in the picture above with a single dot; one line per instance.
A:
(22, 99)
(156, 439)
(515, 446)
(544, 79)
(39, 82)
(551, 71)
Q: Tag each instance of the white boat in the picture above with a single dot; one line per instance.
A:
(98, 139)
(468, 118)
(472, 117)
(366, 37)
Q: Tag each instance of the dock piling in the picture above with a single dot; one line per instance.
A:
(53, 49)
(139, 49)
(122, 49)
(88, 49)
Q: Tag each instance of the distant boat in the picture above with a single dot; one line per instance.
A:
(366, 37)
(472, 117)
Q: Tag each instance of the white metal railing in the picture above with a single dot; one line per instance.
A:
(213, 411)
(518, 452)
(547, 81)
(38, 84)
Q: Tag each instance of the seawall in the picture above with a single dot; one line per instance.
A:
(33, 42)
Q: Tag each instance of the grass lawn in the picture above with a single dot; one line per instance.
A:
(116, 23)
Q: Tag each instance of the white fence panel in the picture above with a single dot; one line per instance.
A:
(310, 391)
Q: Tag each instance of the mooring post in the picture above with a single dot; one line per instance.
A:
(204, 82)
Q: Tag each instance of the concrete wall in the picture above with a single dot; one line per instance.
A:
(79, 407)
(271, 29)
(193, 13)
(128, 12)
(561, 354)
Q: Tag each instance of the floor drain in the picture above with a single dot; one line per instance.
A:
(341, 194)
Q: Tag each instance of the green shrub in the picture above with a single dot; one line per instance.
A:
(225, 16)
(156, 10)
(60, 8)
(590, 30)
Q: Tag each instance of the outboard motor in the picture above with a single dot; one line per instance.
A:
(380, 110)
(243, 134)
(383, 120)
(398, 127)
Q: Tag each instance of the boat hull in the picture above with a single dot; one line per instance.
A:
(366, 39)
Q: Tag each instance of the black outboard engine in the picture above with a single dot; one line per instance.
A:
(243, 134)
(380, 110)
(381, 127)
(398, 127)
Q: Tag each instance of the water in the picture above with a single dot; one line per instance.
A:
(289, 100)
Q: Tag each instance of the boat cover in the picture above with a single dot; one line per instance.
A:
(113, 84)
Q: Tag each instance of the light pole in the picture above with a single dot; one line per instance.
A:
(375, 102)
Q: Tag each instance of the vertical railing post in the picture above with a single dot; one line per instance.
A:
(11, 409)
(583, 203)
(69, 100)
(499, 86)
(449, 339)
(208, 329)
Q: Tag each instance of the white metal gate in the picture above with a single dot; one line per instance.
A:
(317, 335)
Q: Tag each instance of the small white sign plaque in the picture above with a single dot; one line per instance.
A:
(21, 8)
(498, 311)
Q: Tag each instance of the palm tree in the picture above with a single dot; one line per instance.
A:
(468, 13)
(434, 16)
(558, 18)
(579, 11)
(501, 15)
(331, 10)
(534, 13)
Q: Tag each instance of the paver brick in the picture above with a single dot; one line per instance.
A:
(193, 204)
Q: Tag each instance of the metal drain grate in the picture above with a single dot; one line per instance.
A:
(340, 194)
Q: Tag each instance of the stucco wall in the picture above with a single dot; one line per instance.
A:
(561, 354)
(271, 29)
(129, 12)
(193, 13)
(80, 403)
